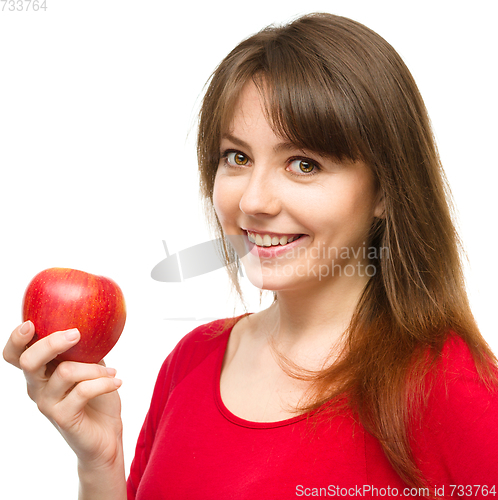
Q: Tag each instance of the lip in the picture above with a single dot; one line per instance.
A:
(273, 251)
(271, 233)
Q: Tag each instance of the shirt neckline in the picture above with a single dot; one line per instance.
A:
(221, 405)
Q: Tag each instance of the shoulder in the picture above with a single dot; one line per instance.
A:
(189, 353)
(456, 356)
(461, 414)
(196, 345)
(457, 374)
(456, 382)
(205, 337)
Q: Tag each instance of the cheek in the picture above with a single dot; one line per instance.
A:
(347, 209)
(359, 214)
(223, 198)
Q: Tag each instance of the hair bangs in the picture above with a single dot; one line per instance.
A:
(306, 108)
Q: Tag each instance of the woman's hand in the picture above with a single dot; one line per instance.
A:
(80, 399)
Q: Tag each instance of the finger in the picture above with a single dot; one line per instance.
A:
(70, 373)
(68, 410)
(33, 360)
(17, 343)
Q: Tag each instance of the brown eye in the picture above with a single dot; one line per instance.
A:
(240, 159)
(303, 167)
(306, 166)
(235, 158)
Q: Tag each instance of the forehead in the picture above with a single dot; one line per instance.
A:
(249, 95)
(248, 111)
(250, 114)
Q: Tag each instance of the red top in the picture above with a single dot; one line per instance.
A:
(192, 447)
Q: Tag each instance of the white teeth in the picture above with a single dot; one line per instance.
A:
(267, 241)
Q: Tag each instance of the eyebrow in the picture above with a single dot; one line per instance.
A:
(282, 146)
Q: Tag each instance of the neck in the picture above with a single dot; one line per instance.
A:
(316, 316)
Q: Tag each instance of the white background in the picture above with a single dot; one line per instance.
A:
(97, 154)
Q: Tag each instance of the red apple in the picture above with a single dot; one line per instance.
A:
(58, 299)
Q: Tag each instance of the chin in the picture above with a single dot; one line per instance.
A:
(265, 279)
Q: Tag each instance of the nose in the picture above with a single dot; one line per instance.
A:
(260, 196)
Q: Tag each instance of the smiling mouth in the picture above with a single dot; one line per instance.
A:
(271, 240)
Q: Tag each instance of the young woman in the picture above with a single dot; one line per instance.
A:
(367, 376)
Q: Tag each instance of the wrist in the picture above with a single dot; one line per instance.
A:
(102, 481)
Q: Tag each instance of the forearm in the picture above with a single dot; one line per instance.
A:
(106, 483)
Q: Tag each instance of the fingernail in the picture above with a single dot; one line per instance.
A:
(111, 372)
(24, 328)
(117, 382)
(71, 335)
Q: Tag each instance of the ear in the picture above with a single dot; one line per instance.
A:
(379, 210)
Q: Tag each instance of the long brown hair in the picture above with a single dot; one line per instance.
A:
(333, 86)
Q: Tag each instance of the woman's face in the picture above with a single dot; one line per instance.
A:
(295, 218)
